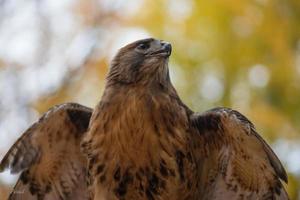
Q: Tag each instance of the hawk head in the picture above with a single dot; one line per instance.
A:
(141, 62)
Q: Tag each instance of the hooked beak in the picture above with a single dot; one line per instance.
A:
(164, 50)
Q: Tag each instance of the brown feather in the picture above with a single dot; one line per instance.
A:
(48, 156)
(143, 143)
(239, 161)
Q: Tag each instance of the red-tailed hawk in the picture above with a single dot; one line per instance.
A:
(142, 142)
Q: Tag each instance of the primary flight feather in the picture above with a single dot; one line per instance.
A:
(142, 142)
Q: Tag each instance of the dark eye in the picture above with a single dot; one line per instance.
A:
(143, 46)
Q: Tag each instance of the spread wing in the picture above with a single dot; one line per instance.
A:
(49, 158)
(234, 161)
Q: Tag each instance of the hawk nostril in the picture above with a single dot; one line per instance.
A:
(163, 43)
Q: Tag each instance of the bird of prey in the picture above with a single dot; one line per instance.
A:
(141, 142)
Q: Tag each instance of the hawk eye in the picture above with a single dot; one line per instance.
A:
(143, 46)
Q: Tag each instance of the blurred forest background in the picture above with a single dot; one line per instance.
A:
(241, 54)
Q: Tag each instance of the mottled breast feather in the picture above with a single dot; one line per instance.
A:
(145, 154)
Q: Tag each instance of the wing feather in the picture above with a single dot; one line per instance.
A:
(49, 158)
(234, 161)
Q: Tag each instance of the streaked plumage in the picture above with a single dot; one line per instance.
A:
(48, 155)
(143, 143)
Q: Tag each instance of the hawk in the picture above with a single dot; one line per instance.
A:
(142, 142)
